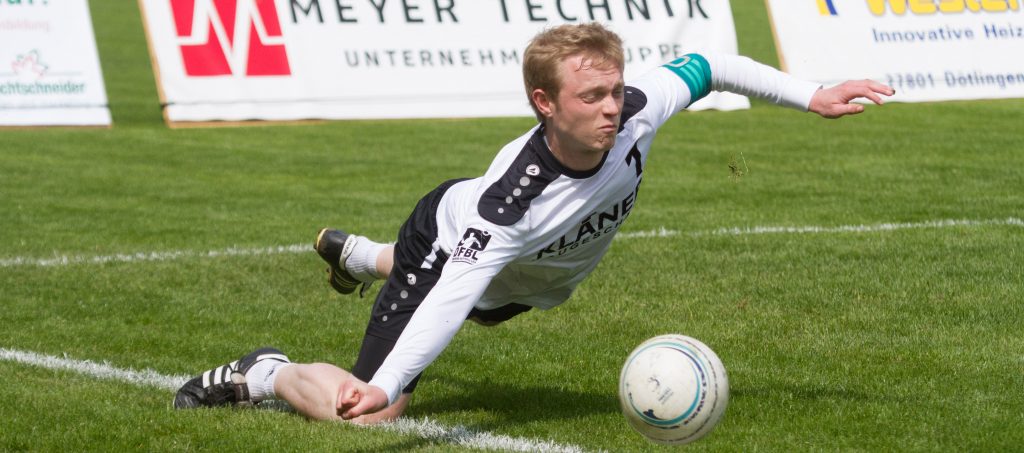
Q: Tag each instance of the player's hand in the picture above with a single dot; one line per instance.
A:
(835, 102)
(356, 398)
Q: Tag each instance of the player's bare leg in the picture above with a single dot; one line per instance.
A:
(385, 261)
(312, 389)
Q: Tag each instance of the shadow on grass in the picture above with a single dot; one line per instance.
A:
(523, 402)
(506, 404)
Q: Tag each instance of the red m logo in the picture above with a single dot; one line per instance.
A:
(230, 37)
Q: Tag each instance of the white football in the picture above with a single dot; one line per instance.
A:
(673, 389)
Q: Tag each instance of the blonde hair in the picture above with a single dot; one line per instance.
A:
(599, 46)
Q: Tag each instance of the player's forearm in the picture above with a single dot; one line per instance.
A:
(742, 75)
(429, 331)
(432, 326)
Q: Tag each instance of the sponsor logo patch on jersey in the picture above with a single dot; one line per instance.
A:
(473, 241)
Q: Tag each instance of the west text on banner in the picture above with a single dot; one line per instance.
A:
(342, 59)
(928, 50)
(49, 67)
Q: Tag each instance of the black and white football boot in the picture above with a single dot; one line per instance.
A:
(224, 385)
(334, 246)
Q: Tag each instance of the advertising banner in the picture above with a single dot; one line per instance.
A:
(49, 68)
(928, 50)
(340, 59)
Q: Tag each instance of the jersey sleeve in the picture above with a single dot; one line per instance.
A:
(679, 83)
(742, 75)
(467, 273)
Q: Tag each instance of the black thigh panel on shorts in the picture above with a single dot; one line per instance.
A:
(406, 286)
(500, 314)
(418, 262)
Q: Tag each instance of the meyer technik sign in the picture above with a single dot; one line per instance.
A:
(49, 67)
(340, 59)
(928, 50)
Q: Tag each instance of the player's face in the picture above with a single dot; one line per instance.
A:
(585, 116)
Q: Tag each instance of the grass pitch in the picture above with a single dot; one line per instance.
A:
(870, 339)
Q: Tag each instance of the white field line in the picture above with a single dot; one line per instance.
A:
(463, 437)
(878, 227)
(425, 428)
(104, 370)
(65, 260)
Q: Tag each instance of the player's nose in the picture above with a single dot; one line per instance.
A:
(610, 106)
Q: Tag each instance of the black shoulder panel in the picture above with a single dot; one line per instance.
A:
(505, 202)
(635, 101)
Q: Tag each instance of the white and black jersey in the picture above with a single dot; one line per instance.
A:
(530, 230)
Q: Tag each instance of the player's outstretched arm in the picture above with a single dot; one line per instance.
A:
(356, 398)
(835, 102)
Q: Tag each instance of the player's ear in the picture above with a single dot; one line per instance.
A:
(544, 103)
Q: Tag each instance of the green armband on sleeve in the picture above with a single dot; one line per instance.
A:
(695, 72)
